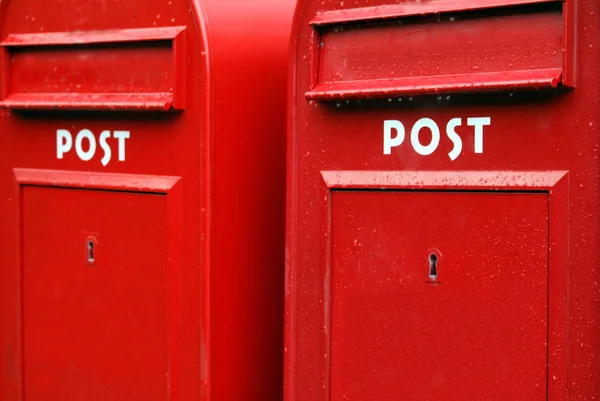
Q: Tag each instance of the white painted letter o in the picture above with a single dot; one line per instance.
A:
(87, 155)
(435, 136)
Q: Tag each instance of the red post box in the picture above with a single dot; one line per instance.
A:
(142, 202)
(443, 201)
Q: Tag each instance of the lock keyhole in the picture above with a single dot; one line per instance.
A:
(433, 266)
(90, 248)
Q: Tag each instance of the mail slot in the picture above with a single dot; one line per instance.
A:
(142, 184)
(442, 206)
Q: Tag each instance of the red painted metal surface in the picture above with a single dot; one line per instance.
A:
(397, 333)
(367, 12)
(57, 71)
(443, 84)
(91, 316)
(152, 132)
(354, 62)
(411, 141)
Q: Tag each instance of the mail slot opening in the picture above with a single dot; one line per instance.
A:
(138, 69)
(362, 54)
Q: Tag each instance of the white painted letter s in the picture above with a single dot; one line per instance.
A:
(104, 135)
(454, 137)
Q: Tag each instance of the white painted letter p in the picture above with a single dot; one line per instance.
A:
(64, 142)
(388, 141)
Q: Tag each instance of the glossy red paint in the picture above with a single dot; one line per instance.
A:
(442, 201)
(141, 199)
(407, 332)
(61, 81)
(72, 302)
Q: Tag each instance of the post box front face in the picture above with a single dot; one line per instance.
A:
(442, 205)
(418, 322)
(94, 308)
(96, 137)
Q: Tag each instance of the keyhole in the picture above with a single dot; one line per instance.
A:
(432, 266)
(90, 246)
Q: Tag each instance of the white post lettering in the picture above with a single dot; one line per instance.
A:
(64, 142)
(478, 123)
(104, 135)
(87, 155)
(388, 141)
(435, 136)
(121, 136)
(450, 131)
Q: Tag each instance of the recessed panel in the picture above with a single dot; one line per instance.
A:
(94, 295)
(439, 296)
(125, 69)
(442, 46)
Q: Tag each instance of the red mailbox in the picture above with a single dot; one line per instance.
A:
(142, 199)
(443, 201)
